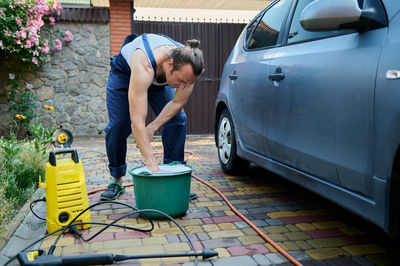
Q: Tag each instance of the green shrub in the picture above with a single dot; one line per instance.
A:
(21, 163)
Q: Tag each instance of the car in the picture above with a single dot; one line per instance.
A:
(311, 92)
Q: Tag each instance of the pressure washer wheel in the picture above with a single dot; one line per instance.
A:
(62, 138)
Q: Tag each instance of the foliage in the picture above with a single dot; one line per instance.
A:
(24, 25)
(20, 29)
(21, 163)
(19, 174)
(42, 136)
(24, 101)
(10, 150)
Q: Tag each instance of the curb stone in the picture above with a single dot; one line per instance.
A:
(23, 230)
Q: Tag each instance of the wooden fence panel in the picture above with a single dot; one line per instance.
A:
(217, 41)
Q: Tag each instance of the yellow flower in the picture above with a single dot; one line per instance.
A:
(20, 116)
(49, 107)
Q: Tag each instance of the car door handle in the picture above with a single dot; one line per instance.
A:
(233, 76)
(277, 76)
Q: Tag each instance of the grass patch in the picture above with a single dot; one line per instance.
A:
(20, 166)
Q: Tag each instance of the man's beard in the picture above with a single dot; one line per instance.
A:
(161, 79)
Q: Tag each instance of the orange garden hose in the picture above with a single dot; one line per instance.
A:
(264, 236)
(269, 240)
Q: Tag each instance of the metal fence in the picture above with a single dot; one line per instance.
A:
(217, 41)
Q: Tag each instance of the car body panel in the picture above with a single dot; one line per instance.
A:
(320, 108)
(392, 8)
(338, 140)
(387, 114)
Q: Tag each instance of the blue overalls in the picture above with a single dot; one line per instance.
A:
(119, 126)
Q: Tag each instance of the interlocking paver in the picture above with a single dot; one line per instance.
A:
(308, 227)
(223, 243)
(242, 260)
(225, 233)
(248, 250)
(326, 253)
(297, 236)
(327, 242)
(366, 249)
(247, 240)
(276, 229)
(329, 224)
(282, 214)
(320, 233)
(276, 258)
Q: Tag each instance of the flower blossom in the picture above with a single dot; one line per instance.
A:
(29, 86)
(19, 22)
(20, 116)
(35, 61)
(11, 76)
(68, 36)
(49, 107)
(21, 34)
(28, 44)
(44, 50)
(57, 46)
(1, 44)
(52, 21)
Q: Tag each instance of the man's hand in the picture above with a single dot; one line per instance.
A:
(153, 168)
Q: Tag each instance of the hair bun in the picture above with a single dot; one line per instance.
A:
(193, 43)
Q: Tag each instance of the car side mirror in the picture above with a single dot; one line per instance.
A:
(328, 15)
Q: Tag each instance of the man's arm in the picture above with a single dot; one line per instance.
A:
(170, 109)
(141, 79)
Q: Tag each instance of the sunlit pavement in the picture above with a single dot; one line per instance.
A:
(311, 229)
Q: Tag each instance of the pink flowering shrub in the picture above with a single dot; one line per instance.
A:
(22, 23)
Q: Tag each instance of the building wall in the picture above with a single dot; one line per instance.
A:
(74, 82)
(120, 23)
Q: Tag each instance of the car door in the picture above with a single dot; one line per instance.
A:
(323, 109)
(249, 76)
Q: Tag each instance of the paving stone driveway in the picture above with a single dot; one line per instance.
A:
(310, 228)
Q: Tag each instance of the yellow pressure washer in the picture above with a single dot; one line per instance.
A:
(66, 194)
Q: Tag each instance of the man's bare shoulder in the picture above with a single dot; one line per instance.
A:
(138, 60)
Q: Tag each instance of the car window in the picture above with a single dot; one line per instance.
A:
(267, 31)
(297, 33)
(250, 29)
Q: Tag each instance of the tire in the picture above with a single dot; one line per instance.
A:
(227, 150)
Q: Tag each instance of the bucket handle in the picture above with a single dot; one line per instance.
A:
(175, 163)
(145, 173)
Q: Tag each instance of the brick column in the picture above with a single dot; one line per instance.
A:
(120, 23)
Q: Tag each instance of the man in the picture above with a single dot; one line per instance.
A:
(156, 70)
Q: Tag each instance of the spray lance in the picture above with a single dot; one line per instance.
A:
(39, 257)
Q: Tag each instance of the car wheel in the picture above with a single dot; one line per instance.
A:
(228, 159)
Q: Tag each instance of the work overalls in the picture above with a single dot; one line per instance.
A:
(119, 126)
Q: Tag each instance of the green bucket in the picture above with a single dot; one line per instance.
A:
(167, 191)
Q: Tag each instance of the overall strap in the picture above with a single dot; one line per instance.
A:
(149, 52)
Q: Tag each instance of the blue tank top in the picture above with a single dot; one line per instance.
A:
(120, 70)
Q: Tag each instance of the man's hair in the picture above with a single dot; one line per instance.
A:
(188, 54)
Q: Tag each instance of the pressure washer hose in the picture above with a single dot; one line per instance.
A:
(264, 236)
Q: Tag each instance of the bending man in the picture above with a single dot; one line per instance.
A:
(156, 70)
